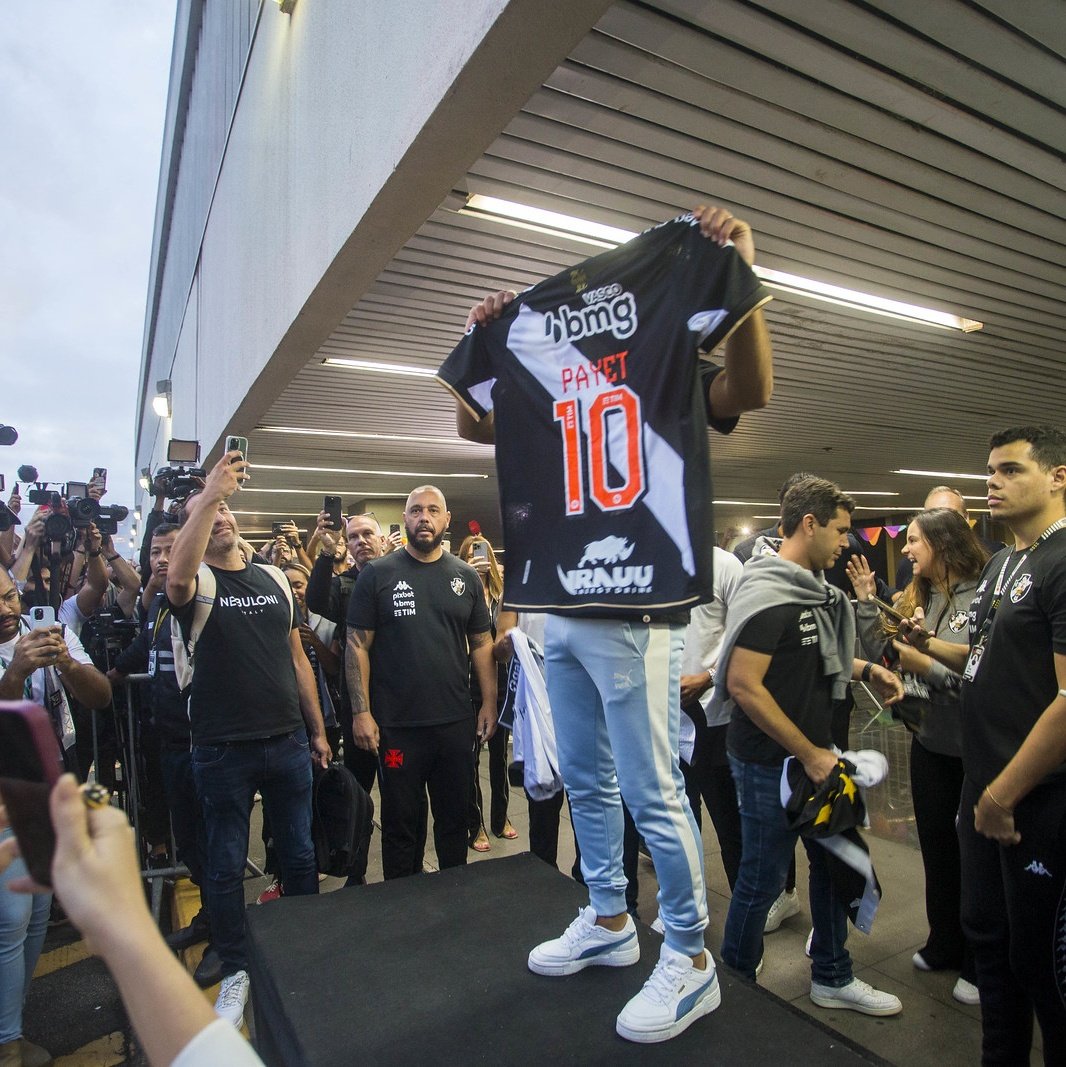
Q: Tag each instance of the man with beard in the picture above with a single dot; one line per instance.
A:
(420, 606)
(328, 595)
(253, 703)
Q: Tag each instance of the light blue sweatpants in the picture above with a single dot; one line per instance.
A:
(614, 688)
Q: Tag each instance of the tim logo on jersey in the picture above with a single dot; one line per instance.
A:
(603, 569)
(608, 309)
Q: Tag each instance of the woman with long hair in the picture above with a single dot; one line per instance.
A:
(476, 551)
(948, 560)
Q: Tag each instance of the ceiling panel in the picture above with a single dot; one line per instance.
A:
(909, 149)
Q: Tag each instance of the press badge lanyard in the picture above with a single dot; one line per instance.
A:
(153, 662)
(978, 650)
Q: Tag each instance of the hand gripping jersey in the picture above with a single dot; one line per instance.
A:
(601, 442)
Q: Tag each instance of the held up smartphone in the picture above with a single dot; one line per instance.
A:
(29, 767)
(100, 475)
(238, 443)
(481, 550)
(888, 609)
(394, 527)
(279, 527)
(42, 617)
(332, 504)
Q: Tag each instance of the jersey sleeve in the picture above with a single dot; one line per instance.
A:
(467, 372)
(763, 632)
(363, 605)
(718, 288)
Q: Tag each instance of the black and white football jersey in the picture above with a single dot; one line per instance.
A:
(601, 443)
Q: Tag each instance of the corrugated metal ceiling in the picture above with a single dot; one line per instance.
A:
(909, 149)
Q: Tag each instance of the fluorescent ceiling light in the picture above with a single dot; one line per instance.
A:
(870, 492)
(595, 233)
(852, 298)
(381, 368)
(749, 503)
(549, 222)
(348, 470)
(876, 507)
(311, 431)
(943, 474)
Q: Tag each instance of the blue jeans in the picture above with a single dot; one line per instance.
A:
(227, 777)
(23, 924)
(615, 694)
(767, 848)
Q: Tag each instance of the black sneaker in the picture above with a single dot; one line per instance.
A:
(199, 929)
(209, 970)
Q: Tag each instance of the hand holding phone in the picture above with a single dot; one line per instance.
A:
(332, 506)
(29, 767)
(888, 609)
(239, 444)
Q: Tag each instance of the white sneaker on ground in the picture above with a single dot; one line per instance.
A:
(786, 905)
(966, 992)
(232, 997)
(584, 944)
(857, 995)
(673, 998)
(920, 963)
(657, 925)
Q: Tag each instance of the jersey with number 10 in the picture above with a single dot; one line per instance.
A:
(601, 427)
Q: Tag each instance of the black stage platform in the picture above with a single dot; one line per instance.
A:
(434, 969)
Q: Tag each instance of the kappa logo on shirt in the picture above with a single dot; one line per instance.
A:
(1036, 867)
(1020, 588)
(402, 587)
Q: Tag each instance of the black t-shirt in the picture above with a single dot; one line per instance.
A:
(421, 615)
(244, 682)
(600, 422)
(795, 678)
(1016, 679)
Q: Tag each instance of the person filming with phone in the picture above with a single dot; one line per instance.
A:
(254, 713)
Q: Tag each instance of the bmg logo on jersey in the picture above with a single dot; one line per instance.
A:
(592, 576)
(608, 309)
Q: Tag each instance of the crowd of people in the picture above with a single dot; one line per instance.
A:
(678, 675)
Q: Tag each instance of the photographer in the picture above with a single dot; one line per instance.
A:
(8, 540)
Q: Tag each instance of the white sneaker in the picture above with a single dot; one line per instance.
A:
(657, 925)
(857, 995)
(786, 905)
(232, 997)
(966, 992)
(584, 944)
(673, 998)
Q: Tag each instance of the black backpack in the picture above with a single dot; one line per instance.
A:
(342, 821)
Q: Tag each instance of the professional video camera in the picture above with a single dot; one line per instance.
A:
(179, 481)
(84, 510)
(103, 636)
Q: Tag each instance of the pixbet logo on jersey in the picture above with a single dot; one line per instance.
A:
(608, 309)
(592, 576)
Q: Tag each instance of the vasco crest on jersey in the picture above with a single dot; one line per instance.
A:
(602, 569)
(1020, 588)
(458, 586)
(957, 622)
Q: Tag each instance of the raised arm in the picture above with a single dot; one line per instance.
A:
(191, 542)
(747, 381)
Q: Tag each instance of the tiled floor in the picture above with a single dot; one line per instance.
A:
(933, 1029)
